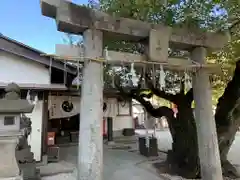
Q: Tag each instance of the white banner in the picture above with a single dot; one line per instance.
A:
(67, 106)
(63, 106)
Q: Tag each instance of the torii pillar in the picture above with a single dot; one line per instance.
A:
(91, 114)
(206, 127)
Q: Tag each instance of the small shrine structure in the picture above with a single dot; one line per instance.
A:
(96, 26)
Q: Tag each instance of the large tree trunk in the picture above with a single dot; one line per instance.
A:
(227, 119)
(183, 157)
(184, 154)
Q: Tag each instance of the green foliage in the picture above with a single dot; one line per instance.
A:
(209, 15)
(195, 13)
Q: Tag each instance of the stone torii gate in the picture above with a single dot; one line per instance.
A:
(95, 26)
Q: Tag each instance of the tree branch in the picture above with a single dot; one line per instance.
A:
(189, 96)
(155, 112)
(136, 94)
(162, 94)
(233, 25)
(147, 105)
(182, 87)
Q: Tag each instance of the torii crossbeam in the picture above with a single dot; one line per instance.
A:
(95, 26)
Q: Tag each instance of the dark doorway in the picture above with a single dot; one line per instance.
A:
(66, 129)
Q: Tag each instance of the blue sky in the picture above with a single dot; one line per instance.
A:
(22, 20)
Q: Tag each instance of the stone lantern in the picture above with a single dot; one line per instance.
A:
(14, 127)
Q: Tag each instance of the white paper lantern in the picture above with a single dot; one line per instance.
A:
(134, 76)
(187, 81)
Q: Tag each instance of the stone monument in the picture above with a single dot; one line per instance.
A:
(14, 130)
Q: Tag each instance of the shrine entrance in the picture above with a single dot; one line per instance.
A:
(98, 26)
(63, 119)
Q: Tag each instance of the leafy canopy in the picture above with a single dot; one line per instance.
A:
(209, 15)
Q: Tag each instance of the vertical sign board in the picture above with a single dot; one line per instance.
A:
(158, 44)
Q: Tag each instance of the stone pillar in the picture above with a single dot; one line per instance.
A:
(91, 113)
(206, 127)
(8, 166)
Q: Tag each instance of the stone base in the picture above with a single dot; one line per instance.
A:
(29, 171)
(128, 132)
(8, 164)
(13, 178)
(27, 164)
(110, 143)
(43, 162)
(148, 150)
(117, 133)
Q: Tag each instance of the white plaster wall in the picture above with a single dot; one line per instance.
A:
(17, 69)
(119, 121)
(35, 138)
(111, 107)
(138, 111)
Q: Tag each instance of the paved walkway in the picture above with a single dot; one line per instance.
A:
(121, 164)
(118, 165)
